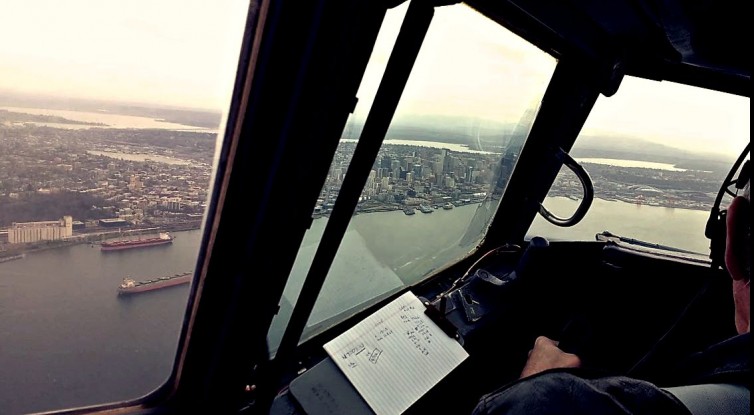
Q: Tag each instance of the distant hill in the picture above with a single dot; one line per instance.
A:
(631, 148)
(478, 134)
(20, 117)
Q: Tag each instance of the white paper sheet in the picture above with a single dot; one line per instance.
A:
(396, 355)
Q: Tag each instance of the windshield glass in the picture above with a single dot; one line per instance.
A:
(110, 115)
(446, 159)
(657, 153)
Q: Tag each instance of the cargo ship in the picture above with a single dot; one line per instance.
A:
(162, 239)
(131, 286)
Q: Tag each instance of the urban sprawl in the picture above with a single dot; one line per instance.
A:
(142, 180)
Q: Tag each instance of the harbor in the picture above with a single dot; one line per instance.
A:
(93, 237)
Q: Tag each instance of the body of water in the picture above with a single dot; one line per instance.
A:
(461, 148)
(69, 340)
(111, 120)
(142, 157)
(631, 163)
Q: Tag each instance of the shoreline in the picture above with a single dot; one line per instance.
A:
(627, 200)
(19, 251)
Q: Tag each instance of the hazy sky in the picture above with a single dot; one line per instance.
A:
(470, 66)
(184, 53)
(175, 52)
(677, 115)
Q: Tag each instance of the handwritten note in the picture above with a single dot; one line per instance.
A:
(396, 355)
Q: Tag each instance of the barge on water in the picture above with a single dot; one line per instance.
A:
(131, 286)
(11, 258)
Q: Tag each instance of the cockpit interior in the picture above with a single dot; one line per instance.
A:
(315, 105)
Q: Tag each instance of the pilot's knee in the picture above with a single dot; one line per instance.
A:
(544, 394)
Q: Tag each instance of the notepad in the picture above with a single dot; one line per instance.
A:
(395, 355)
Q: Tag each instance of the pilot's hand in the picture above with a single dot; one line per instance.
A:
(742, 305)
(738, 258)
(546, 355)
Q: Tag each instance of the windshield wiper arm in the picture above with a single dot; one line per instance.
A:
(609, 236)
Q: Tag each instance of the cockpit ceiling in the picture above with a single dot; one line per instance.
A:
(699, 42)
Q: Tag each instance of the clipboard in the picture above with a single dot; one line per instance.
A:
(396, 355)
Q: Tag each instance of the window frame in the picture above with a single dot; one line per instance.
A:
(286, 64)
(216, 364)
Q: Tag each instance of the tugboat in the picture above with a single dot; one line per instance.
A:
(409, 211)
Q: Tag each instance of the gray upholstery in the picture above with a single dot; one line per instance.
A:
(713, 398)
